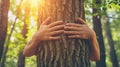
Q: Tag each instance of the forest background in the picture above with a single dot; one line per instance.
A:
(22, 23)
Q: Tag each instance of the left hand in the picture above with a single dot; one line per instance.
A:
(81, 30)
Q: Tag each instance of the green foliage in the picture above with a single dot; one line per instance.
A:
(115, 25)
(113, 11)
(31, 62)
(17, 42)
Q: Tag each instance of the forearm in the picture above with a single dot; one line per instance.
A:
(94, 51)
(31, 47)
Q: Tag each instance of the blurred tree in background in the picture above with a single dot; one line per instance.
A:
(97, 25)
(22, 23)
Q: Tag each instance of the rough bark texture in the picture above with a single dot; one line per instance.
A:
(4, 7)
(98, 30)
(65, 52)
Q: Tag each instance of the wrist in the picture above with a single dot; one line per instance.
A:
(36, 38)
(93, 36)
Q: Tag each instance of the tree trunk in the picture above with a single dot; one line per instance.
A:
(7, 44)
(4, 7)
(98, 30)
(113, 55)
(65, 52)
(2, 64)
(21, 57)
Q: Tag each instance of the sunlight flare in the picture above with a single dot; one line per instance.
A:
(32, 3)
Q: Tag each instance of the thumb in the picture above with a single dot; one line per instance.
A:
(47, 21)
(81, 21)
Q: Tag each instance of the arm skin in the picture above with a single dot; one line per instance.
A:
(31, 47)
(47, 31)
(94, 52)
(83, 31)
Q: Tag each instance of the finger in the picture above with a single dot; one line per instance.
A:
(47, 21)
(56, 23)
(54, 38)
(73, 24)
(81, 21)
(57, 32)
(71, 32)
(70, 28)
(57, 28)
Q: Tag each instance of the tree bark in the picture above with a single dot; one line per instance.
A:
(65, 52)
(4, 7)
(98, 29)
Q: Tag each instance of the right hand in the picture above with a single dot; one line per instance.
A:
(50, 31)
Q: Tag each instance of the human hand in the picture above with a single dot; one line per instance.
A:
(81, 30)
(50, 30)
